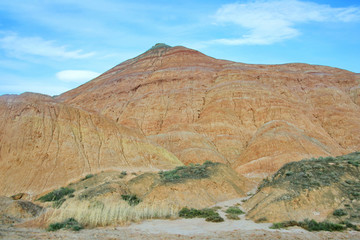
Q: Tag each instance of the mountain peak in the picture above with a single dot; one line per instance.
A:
(160, 45)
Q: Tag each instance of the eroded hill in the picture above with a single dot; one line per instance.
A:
(321, 189)
(172, 106)
(254, 118)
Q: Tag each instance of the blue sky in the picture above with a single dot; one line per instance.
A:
(51, 46)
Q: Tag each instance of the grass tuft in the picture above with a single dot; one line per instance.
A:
(88, 176)
(182, 173)
(111, 212)
(339, 212)
(234, 210)
(311, 225)
(132, 199)
(69, 223)
(209, 214)
(56, 194)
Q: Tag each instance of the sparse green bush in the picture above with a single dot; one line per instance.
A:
(132, 199)
(181, 173)
(234, 210)
(259, 220)
(309, 174)
(214, 218)
(123, 174)
(56, 194)
(310, 225)
(209, 214)
(69, 223)
(350, 225)
(339, 212)
(88, 176)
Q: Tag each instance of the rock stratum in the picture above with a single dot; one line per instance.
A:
(172, 106)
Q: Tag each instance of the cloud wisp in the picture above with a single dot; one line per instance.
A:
(36, 46)
(76, 76)
(272, 21)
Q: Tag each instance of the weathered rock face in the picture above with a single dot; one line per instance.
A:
(45, 145)
(15, 211)
(253, 117)
(173, 105)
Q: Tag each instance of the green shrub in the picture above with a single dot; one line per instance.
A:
(310, 225)
(56, 194)
(234, 210)
(122, 174)
(339, 212)
(350, 225)
(88, 176)
(69, 223)
(259, 220)
(214, 218)
(181, 173)
(193, 213)
(131, 199)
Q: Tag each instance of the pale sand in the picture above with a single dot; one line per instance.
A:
(181, 229)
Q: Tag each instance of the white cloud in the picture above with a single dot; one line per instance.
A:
(77, 76)
(271, 21)
(36, 46)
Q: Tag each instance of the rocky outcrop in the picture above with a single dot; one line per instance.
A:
(16, 211)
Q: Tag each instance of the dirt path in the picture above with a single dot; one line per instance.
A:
(181, 229)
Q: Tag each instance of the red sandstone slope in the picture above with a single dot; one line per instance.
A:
(174, 103)
(45, 145)
(254, 117)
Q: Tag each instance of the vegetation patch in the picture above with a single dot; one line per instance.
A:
(122, 174)
(312, 225)
(56, 194)
(209, 214)
(88, 176)
(182, 173)
(234, 210)
(58, 203)
(69, 223)
(132, 199)
(96, 191)
(339, 213)
(340, 173)
(315, 173)
(232, 216)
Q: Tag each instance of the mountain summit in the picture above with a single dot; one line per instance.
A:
(171, 106)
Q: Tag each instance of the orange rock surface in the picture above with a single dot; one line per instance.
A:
(172, 105)
(46, 145)
(253, 117)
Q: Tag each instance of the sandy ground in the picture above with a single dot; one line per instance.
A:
(181, 229)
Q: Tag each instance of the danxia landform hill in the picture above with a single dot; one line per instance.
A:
(215, 128)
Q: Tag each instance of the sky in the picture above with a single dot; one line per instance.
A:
(52, 46)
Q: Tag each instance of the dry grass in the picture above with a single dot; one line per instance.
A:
(106, 213)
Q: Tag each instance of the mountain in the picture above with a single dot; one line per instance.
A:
(252, 117)
(172, 106)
